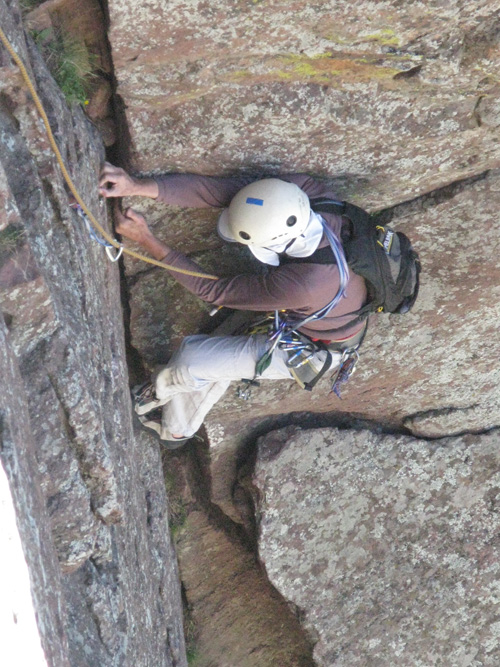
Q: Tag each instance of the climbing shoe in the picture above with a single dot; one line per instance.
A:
(144, 397)
(153, 421)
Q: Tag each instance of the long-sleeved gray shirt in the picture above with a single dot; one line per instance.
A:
(300, 288)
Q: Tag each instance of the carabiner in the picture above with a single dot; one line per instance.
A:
(346, 368)
(109, 253)
(303, 361)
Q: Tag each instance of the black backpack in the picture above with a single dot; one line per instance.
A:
(383, 257)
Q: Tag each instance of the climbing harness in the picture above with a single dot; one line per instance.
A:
(112, 242)
(307, 360)
(285, 332)
(107, 246)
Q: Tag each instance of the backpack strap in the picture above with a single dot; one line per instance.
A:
(326, 205)
(321, 256)
(325, 255)
(354, 214)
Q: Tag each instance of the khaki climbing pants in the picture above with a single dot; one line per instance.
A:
(200, 372)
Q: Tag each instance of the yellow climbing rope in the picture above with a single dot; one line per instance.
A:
(68, 179)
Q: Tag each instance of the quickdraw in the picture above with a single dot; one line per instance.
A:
(69, 181)
(93, 235)
(345, 369)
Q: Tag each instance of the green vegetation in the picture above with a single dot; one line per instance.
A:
(10, 238)
(178, 510)
(326, 69)
(27, 5)
(178, 516)
(191, 654)
(190, 637)
(69, 62)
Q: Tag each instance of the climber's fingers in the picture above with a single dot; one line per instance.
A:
(115, 182)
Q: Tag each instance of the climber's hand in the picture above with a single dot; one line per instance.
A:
(115, 182)
(132, 225)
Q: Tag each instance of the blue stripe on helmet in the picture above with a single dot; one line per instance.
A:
(257, 202)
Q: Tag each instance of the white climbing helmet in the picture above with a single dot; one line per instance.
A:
(265, 213)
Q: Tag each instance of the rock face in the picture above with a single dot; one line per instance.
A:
(88, 490)
(390, 105)
(397, 104)
(234, 617)
(387, 544)
(394, 559)
(240, 619)
(393, 99)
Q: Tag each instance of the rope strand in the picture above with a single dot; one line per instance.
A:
(68, 179)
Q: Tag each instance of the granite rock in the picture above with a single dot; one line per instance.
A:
(387, 544)
(88, 488)
(396, 105)
(238, 617)
(391, 99)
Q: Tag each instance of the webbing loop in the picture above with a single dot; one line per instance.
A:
(107, 246)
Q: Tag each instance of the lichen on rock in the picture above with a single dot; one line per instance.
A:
(88, 489)
(387, 544)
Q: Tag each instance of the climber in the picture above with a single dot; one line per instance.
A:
(273, 218)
